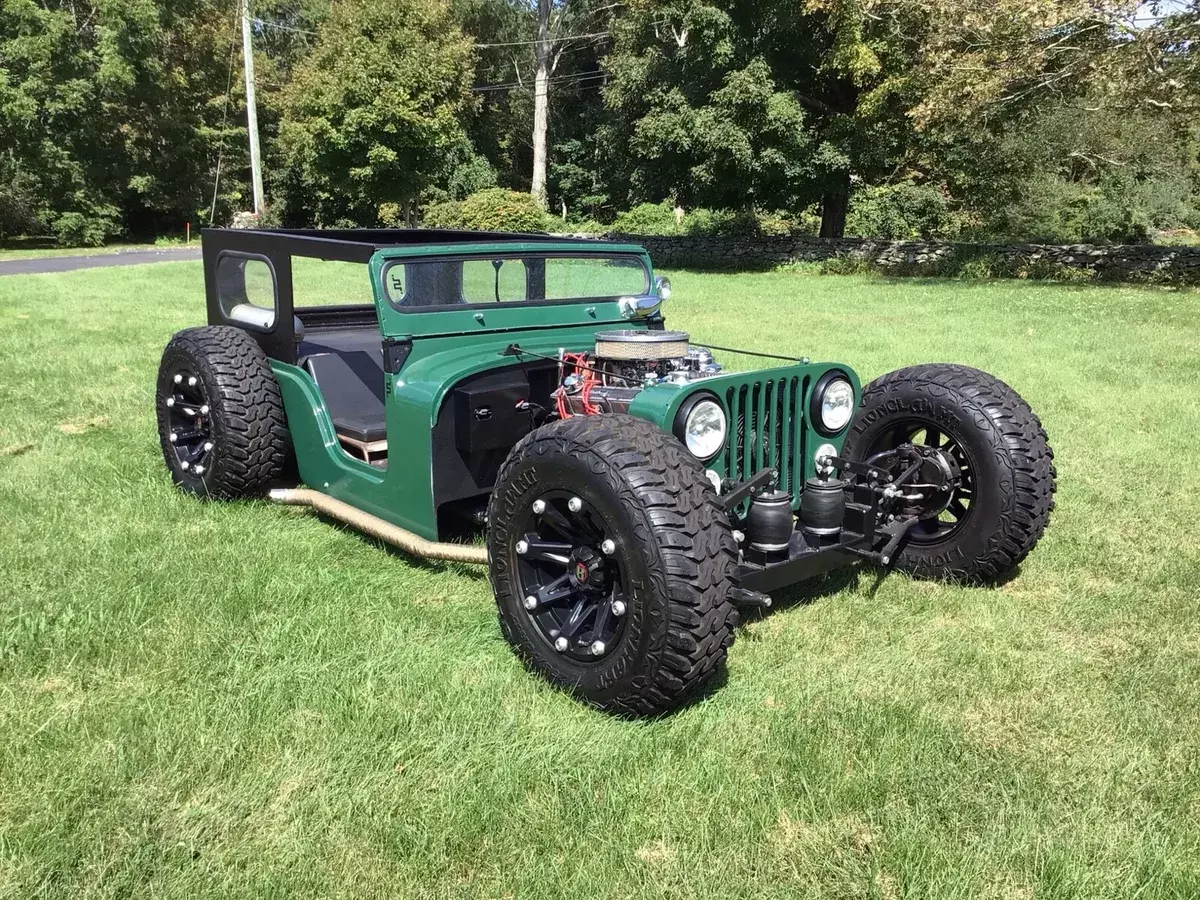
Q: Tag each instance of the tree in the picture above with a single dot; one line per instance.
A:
(1029, 113)
(696, 115)
(554, 19)
(108, 110)
(374, 109)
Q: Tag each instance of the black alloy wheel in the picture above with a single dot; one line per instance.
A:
(220, 415)
(946, 477)
(992, 459)
(189, 421)
(569, 577)
(612, 563)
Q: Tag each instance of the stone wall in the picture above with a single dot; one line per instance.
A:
(1116, 262)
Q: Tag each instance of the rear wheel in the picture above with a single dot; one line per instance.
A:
(995, 454)
(220, 414)
(612, 563)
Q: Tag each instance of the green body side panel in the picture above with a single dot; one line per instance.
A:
(448, 345)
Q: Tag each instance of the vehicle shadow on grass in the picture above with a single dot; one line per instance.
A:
(805, 592)
(851, 578)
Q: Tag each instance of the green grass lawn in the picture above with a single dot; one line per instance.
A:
(241, 701)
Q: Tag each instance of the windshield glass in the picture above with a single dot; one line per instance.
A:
(512, 279)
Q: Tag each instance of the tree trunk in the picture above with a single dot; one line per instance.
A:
(834, 206)
(543, 51)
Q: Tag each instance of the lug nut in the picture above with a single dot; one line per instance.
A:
(204, 410)
(199, 470)
(522, 548)
(184, 465)
(208, 445)
(192, 381)
(618, 607)
(531, 602)
(598, 648)
(574, 504)
(561, 645)
(173, 437)
(539, 506)
(609, 547)
(170, 402)
(178, 378)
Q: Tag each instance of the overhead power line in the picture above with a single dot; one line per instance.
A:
(575, 77)
(279, 26)
(557, 40)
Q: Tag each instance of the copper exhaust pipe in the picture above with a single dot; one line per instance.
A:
(378, 528)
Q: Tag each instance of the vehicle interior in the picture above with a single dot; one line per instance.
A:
(306, 296)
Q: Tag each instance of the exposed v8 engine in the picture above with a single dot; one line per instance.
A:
(622, 364)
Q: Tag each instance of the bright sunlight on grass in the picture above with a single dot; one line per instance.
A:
(240, 701)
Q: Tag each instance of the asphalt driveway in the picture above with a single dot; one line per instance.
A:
(42, 264)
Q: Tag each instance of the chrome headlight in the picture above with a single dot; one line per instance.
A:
(833, 403)
(702, 428)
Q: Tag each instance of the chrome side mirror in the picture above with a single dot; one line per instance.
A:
(648, 304)
(639, 307)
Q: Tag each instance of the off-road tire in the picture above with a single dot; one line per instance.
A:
(672, 535)
(1011, 458)
(252, 447)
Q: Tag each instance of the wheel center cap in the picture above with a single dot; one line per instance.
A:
(585, 568)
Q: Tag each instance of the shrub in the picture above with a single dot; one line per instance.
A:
(443, 215)
(76, 229)
(648, 218)
(777, 224)
(1112, 216)
(846, 265)
(22, 210)
(1049, 270)
(901, 211)
(582, 226)
(474, 175)
(494, 209)
(976, 263)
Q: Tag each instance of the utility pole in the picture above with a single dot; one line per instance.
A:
(252, 111)
(545, 60)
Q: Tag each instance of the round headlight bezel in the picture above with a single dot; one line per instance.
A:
(701, 404)
(817, 406)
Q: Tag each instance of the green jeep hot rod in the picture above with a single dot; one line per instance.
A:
(634, 493)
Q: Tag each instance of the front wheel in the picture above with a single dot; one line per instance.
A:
(612, 563)
(1004, 479)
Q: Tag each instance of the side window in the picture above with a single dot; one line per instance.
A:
(328, 282)
(492, 280)
(246, 290)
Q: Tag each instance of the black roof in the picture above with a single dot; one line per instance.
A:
(377, 238)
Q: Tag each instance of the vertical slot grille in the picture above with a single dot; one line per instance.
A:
(766, 422)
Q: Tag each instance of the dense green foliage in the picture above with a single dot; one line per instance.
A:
(1019, 119)
(107, 108)
(494, 209)
(372, 114)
